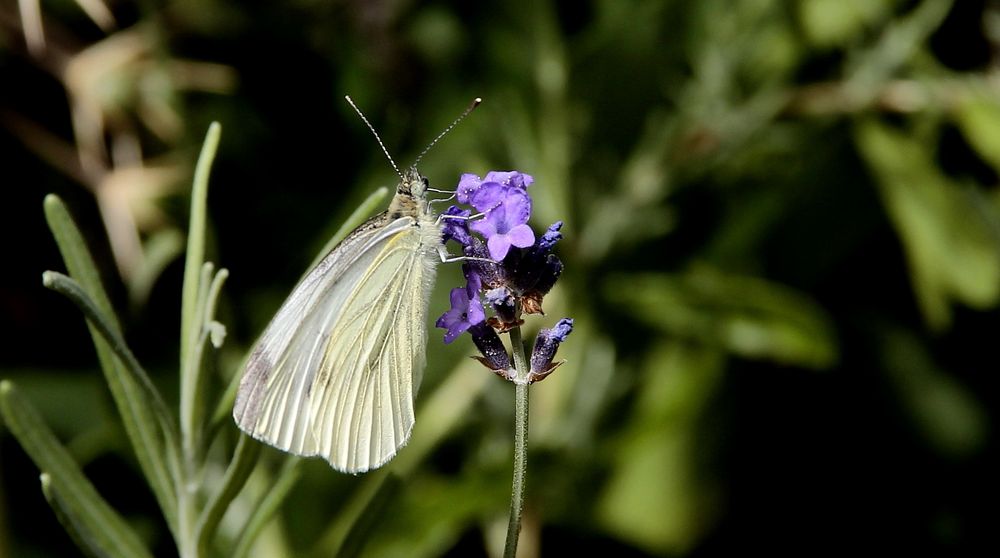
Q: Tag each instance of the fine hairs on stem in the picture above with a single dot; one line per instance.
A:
(520, 443)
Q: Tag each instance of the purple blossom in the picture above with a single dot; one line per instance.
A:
(546, 345)
(465, 312)
(505, 223)
(490, 195)
(495, 356)
(470, 183)
(473, 281)
(551, 236)
(536, 270)
(510, 178)
(457, 229)
(467, 184)
(508, 265)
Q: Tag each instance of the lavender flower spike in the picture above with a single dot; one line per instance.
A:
(546, 345)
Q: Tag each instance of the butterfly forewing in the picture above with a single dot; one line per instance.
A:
(363, 399)
(335, 372)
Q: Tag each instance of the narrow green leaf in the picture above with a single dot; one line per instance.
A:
(211, 331)
(72, 290)
(158, 463)
(244, 460)
(68, 522)
(103, 531)
(268, 506)
(191, 311)
(76, 254)
(363, 526)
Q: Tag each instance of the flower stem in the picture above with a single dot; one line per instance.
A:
(520, 442)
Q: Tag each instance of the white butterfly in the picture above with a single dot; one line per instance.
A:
(336, 370)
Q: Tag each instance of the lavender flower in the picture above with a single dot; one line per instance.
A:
(505, 224)
(457, 229)
(495, 355)
(546, 345)
(511, 267)
(466, 310)
(468, 184)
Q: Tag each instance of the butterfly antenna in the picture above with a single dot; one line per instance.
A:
(475, 103)
(374, 133)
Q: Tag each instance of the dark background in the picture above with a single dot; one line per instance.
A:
(782, 249)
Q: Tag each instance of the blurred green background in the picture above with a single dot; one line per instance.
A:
(782, 249)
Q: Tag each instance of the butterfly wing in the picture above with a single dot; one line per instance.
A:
(335, 372)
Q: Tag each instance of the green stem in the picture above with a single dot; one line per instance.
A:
(244, 460)
(520, 442)
(194, 293)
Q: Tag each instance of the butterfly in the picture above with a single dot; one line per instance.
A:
(336, 371)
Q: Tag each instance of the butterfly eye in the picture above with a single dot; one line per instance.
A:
(427, 184)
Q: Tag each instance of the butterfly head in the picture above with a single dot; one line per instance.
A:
(411, 195)
(412, 184)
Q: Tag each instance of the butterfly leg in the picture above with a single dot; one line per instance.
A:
(442, 216)
(448, 258)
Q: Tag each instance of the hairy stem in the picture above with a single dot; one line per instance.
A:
(520, 442)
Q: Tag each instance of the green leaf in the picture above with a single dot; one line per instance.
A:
(244, 460)
(194, 294)
(65, 518)
(89, 518)
(950, 246)
(979, 118)
(72, 290)
(747, 316)
(944, 411)
(158, 462)
(268, 506)
(838, 22)
(655, 495)
(365, 523)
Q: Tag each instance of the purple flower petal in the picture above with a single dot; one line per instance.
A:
(504, 213)
(473, 282)
(551, 236)
(521, 236)
(488, 196)
(465, 312)
(514, 179)
(486, 227)
(467, 184)
(498, 245)
(457, 229)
